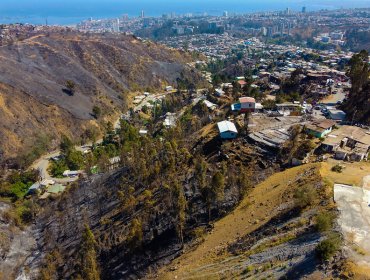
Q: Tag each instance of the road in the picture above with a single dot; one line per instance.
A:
(42, 164)
(332, 99)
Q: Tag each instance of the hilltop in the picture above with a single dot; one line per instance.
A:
(51, 79)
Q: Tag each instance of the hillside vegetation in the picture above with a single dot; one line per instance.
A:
(279, 230)
(51, 82)
(357, 106)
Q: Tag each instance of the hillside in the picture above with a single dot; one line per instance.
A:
(269, 234)
(36, 105)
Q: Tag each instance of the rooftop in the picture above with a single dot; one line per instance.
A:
(225, 126)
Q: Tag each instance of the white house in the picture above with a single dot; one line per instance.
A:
(71, 174)
(227, 130)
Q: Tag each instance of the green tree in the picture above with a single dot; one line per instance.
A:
(70, 86)
(89, 269)
(96, 112)
(66, 145)
(359, 71)
(179, 204)
(75, 160)
(218, 185)
(135, 237)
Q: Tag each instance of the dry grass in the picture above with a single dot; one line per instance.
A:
(352, 173)
(254, 211)
(357, 272)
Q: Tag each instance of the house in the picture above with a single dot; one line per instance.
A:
(211, 106)
(71, 174)
(337, 115)
(169, 88)
(219, 92)
(320, 129)
(170, 120)
(348, 143)
(227, 130)
(114, 162)
(36, 188)
(242, 83)
(245, 104)
(47, 182)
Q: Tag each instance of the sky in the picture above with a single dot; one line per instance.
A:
(64, 11)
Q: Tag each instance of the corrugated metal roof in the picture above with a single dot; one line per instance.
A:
(225, 126)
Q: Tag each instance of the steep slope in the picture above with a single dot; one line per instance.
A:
(267, 235)
(33, 75)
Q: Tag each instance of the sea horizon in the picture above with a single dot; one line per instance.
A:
(70, 12)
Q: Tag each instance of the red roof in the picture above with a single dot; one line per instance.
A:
(242, 82)
(247, 100)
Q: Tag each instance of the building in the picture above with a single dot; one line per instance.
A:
(115, 26)
(336, 115)
(304, 10)
(219, 92)
(245, 104)
(264, 31)
(227, 130)
(36, 188)
(168, 88)
(170, 120)
(71, 174)
(211, 106)
(348, 143)
(320, 129)
(288, 107)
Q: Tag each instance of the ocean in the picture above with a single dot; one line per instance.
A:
(68, 12)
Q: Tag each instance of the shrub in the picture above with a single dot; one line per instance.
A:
(337, 168)
(96, 112)
(248, 269)
(324, 221)
(305, 196)
(328, 247)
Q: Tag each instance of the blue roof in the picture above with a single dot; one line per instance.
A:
(35, 186)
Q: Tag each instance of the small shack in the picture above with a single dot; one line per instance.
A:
(227, 130)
